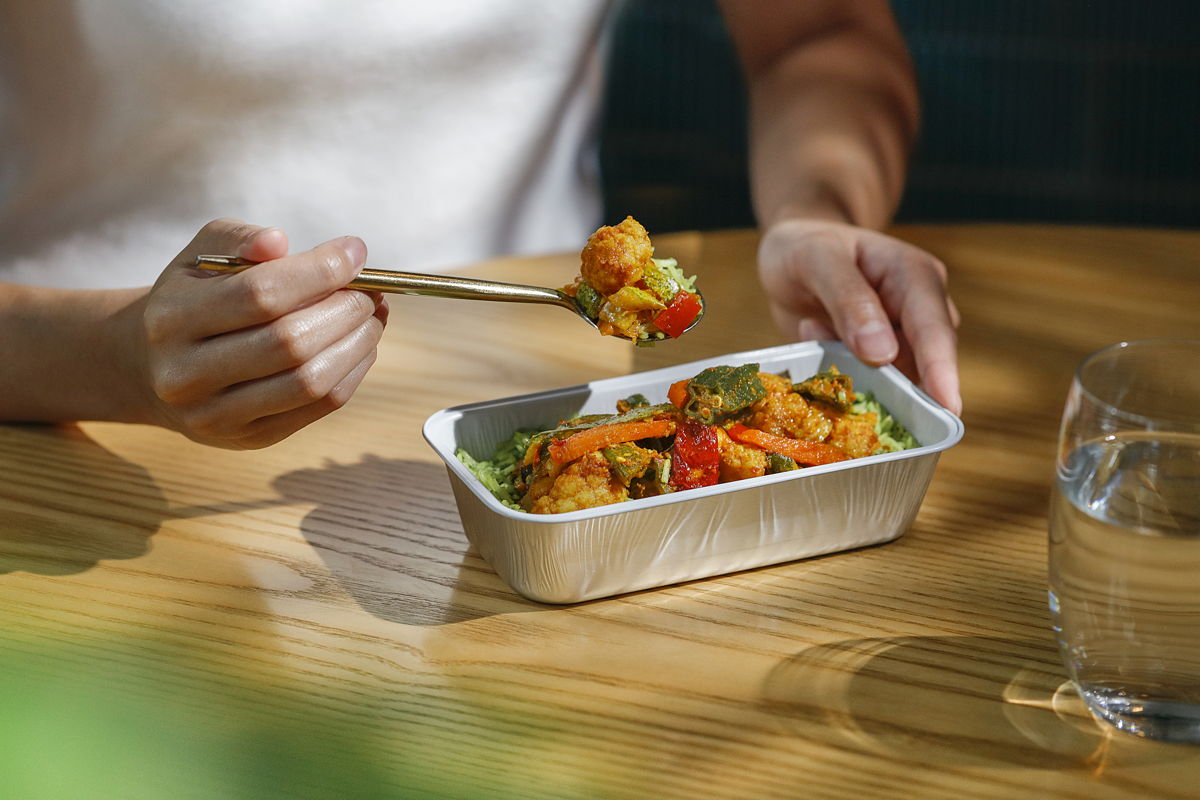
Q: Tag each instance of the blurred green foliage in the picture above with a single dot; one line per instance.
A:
(134, 721)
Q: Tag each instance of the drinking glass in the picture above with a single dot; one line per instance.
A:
(1125, 537)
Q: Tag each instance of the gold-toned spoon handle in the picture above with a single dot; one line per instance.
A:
(381, 280)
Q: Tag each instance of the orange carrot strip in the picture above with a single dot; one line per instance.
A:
(799, 450)
(677, 395)
(585, 441)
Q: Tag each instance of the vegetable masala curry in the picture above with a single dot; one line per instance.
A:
(724, 424)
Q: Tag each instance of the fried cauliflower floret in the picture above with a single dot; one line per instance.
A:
(738, 461)
(789, 414)
(616, 256)
(585, 483)
(775, 384)
(854, 434)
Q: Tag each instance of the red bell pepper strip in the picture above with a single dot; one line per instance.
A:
(677, 316)
(799, 450)
(695, 457)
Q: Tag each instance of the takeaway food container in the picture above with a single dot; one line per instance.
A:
(640, 544)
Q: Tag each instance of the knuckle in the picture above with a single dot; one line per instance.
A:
(932, 334)
(340, 393)
(260, 295)
(172, 388)
(218, 226)
(377, 327)
(336, 398)
(228, 228)
(361, 303)
(861, 310)
(925, 267)
(335, 267)
(289, 341)
(168, 391)
(309, 382)
(158, 323)
(930, 268)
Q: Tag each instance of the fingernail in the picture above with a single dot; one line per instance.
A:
(876, 342)
(951, 402)
(950, 398)
(355, 249)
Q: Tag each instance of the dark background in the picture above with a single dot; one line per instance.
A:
(1073, 111)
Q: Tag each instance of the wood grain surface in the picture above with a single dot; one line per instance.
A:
(309, 621)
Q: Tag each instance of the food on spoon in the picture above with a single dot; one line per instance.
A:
(723, 424)
(629, 292)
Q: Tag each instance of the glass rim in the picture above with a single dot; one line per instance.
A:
(1115, 410)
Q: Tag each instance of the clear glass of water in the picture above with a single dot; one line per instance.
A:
(1125, 537)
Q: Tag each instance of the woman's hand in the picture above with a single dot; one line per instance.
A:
(884, 298)
(243, 360)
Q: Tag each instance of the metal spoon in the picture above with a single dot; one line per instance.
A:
(382, 280)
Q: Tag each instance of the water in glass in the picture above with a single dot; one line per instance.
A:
(1125, 579)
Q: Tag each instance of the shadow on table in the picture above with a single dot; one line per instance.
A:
(950, 701)
(388, 531)
(42, 526)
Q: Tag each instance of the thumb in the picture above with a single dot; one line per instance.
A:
(265, 244)
(232, 237)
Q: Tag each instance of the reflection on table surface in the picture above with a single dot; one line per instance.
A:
(308, 620)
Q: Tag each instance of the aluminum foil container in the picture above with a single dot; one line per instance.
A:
(655, 541)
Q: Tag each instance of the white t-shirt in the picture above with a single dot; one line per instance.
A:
(441, 133)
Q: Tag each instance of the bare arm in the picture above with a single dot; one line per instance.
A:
(833, 104)
(63, 355)
(834, 113)
(237, 360)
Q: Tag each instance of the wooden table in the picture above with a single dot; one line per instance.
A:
(308, 620)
